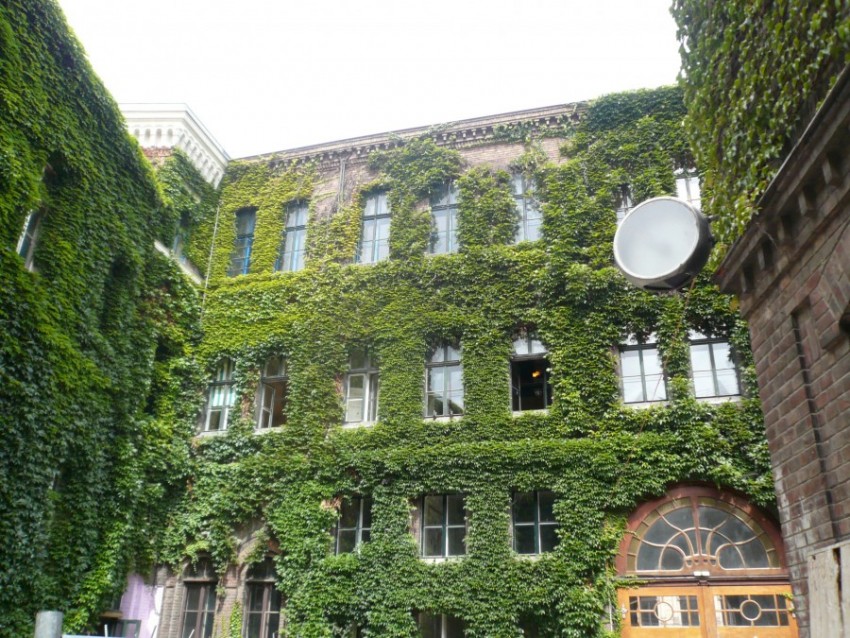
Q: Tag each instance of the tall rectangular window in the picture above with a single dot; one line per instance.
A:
(361, 388)
(273, 394)
(444, 220)
(200, 583)
(712, 367)
(444, 381)
(530, 385)
(355, 524)
(292, 252)
(534, 524)
(624, 202)
(443, 525)
(29, 238)
(642, 373)
(528, 209)
(374, 243)
(240, 258)
(687, 186)
(440, 626)
(262, 607)
(221, 395)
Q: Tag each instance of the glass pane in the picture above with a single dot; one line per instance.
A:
(649, 558)
(429, 625)
(456, 511)
(548, 537)
(346, 541)
(437, 355)
(533, 230)
(457, 541)
(547, 500)
(275, 599)
(655, 388)
(454, 627)
(190, 620)
(727, 383)
(522, 346)
(452, 353)
(630, 363)
(367, 512)
(523, 507)
(359, 359)
(441, 221)
(436, 380)
(373, 397)
(193, 597)
(455, 378)
(455, 403)
(633, 391)
(700, 357)
(524, 539)
(382, 232)
(245, 222)
(433, 510)
(672, 559)
(433, 542)
(382, 250)
(436, 406)
(255, 626)
(210, 590)
(349, 513)
(255, 597)
(651, 362)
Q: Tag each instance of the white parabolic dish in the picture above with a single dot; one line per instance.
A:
(662, 244)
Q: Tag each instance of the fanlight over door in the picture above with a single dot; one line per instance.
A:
(712, 566)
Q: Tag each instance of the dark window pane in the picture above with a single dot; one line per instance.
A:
(433, 510)
(367, 511)
(349, 513)
(457, 541)
(547, 500)
(548, 537)
(190, 620)
(454, 627)
(672, 559)
(433, 542)
(524, 507)
(254, 625)
(347, 541)
(457, 513)
(193, 597)
(255, 597)
(524, 539)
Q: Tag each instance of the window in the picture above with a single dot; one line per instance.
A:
(444, 382)
(687, 186)
(375, 235)
(240, 258)
(535, 527)
(199, 603)
(355, 524)
(439, 626)
(443, 525)
(29, 239)
(530, 385)
(624, 202)
(262, 608)
(292, 252)
(527, 208)
(712, 367)
(641, 372)
(361, 388)
(273, 391)
(444, 220)
(221, 396)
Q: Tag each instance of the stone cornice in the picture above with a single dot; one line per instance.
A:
(454, 135)
(176, 126)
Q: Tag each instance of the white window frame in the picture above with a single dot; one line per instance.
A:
(376, 213)
(368, 374)
(445, 526)
(222, 390)
(446, 392)
(699, 339)
(527, 207)
(274, 375)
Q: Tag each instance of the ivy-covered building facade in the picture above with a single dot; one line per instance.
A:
(434, 408)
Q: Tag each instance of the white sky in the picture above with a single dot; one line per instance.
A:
(267, 75)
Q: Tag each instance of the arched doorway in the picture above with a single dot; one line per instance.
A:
(711, 565)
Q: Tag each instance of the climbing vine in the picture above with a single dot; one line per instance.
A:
(600, 457)
(753, 74)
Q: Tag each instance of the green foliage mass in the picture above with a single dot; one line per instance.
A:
(753, 73)
(600, 457)
(91, 344)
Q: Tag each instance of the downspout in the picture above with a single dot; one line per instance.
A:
(209, 260)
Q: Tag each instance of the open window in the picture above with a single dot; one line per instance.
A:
(531, 387)
(355, 524)
(273, 394)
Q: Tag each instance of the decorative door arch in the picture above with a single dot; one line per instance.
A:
(710, 565)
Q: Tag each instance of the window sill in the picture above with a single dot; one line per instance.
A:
(645, 405)
(529, 557)
(205, 433)
(730, 398)
(518, 413)
(436, 560)
(443, 419)
(261, 431)
(355, 425)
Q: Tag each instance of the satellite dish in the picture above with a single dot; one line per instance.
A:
(662, 244)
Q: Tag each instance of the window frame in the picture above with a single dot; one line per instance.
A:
(265, 414)
(537, 523)
(267, 584)
(28, 240)
(446, 365)
(523, 189)
(291, 259)
(370, 374)
(699, 339)
(642, 346)
(362, 533)
(448, 193)
(243, 243)
(530, 337)
(376, 217)
(206, 583)
(222, 378)
(444, 526)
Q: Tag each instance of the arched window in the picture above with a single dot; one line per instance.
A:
(706, 560)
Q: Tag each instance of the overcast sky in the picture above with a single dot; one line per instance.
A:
(267, 75)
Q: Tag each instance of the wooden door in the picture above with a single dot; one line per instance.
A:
(704, 611)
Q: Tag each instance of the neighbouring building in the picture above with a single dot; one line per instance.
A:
(769, 104)
(434, 407)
